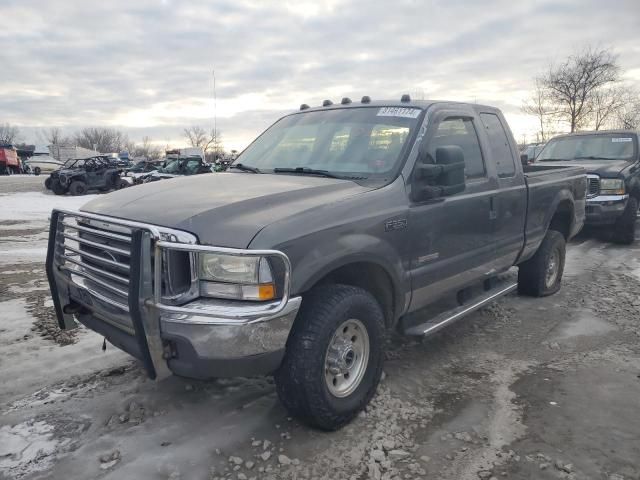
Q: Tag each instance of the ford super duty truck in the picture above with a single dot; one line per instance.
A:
(335, 226)
(612, 161)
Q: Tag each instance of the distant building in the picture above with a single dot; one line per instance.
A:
(62, 152)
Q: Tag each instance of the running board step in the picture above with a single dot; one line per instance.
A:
(450, 316)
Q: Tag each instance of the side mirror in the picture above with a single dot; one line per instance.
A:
(443, 178)
(524, 159)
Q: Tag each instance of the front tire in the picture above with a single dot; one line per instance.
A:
(541, 275)
(334, 356)
(47, 183)
(37, 171)
(57, 188)
(624, 230)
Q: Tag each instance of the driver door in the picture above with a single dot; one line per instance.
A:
(451, 236)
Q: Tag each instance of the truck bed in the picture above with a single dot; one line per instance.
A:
(547, 186)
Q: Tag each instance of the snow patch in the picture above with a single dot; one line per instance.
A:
(37, 205)
(26, 448)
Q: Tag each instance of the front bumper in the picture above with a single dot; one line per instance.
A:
(605, 209)
(201, 339)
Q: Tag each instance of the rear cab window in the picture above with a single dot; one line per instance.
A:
(499, 144)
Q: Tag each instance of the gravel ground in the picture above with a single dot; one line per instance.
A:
(524, 389)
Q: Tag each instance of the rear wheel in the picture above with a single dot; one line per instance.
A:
(47, 183)
(541, 275)
(78, 188)
(333, 361)
(624, 230)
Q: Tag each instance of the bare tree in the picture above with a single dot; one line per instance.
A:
(606, 103)
(145, 149)
(53, 136)
(572, 84)
(196, 136)
(9, 134)
(538, 104)
(199, 137)
(104, 140)
(628, 116)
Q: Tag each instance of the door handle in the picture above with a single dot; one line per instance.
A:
(492, 212)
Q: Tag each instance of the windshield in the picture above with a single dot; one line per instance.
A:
(75, 163)
(589, 147)
(363, 142)
(172, 167)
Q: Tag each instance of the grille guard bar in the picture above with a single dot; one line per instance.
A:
(145, 286)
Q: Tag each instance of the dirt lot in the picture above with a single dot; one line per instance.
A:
(525, 389)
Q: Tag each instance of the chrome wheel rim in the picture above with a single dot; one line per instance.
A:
(552, 268)
(347, 358)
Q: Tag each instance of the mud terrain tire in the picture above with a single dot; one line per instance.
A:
(78, 188)
(541, 275)
(301, 380)
(57, 187)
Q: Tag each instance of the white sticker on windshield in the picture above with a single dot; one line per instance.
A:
(399, 112)
(621, 139)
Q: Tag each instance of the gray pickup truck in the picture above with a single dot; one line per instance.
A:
(611, 159)
(336, 225)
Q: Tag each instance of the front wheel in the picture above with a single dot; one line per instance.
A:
(334, 356)
(47, 183)
(541, 275)
(58, 188)
(37, 171)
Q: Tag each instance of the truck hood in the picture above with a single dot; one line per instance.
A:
(223, 209)
(602, 168)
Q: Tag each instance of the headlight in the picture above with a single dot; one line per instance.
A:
(236, 277)
(612, 186)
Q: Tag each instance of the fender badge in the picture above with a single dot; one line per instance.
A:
(397, 224)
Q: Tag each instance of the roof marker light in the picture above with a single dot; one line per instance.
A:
(405, 98)
(346, 101)
(366, 99)
(304, 106)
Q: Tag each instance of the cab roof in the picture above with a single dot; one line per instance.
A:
(421, 104)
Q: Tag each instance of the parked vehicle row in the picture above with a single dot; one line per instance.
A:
(335, 226)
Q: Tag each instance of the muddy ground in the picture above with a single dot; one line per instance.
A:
(525, 389)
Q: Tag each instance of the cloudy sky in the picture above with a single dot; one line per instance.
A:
(145, 66)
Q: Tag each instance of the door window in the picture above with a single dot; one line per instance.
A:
(460, 132)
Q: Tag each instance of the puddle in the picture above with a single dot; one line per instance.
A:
(587, 325)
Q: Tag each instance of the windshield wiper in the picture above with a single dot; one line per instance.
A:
(313, 171)
(244, 168)
(593, 157)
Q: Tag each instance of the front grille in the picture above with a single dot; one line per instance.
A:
(97, 255)
(593, 189)
(100, 253)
